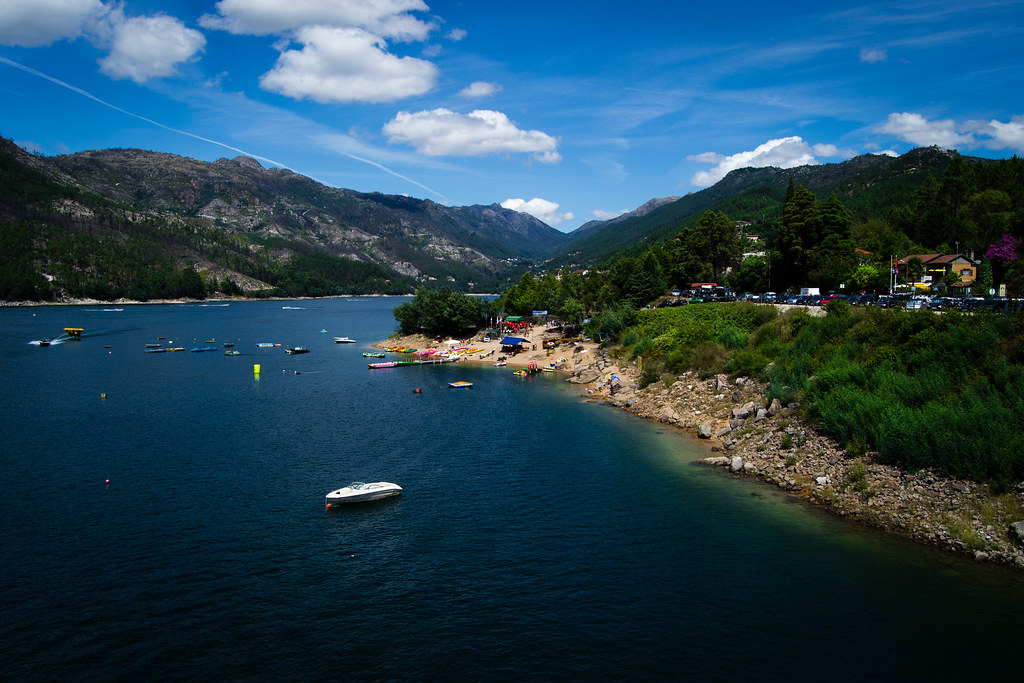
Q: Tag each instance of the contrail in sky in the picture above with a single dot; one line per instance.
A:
(92, 97)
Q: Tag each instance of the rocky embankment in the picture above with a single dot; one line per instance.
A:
(751, 437)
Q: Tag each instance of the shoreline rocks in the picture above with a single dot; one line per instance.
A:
(749, 436)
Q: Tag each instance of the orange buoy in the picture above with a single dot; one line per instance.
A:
(417, 390)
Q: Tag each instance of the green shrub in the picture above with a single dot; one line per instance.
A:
(650, 373)
(709, 360)
(732, 338)
(642, 347)
(746, 363)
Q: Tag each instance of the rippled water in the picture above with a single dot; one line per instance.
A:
(538, 535)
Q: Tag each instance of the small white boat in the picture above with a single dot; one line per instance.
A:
(344, 340)
(360, 492)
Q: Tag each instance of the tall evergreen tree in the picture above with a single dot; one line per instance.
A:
(834, 259)
(798, 237)
(715, 241)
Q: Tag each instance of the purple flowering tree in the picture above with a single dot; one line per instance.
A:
(1003, 255)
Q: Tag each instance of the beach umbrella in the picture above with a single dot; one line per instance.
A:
(452, 342)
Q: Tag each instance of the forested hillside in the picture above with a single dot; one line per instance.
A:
(869, 186)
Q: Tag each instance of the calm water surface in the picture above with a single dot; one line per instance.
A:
(538, 535)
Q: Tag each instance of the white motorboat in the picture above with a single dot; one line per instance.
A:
(344, 340)
(360, 492)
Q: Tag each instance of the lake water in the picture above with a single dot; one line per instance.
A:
(176, 529)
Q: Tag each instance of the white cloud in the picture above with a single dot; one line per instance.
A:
(918, 130)
(456, 34)
(1009, 135)
(824, 150)
(783, 153)
(344, 54)
(607, 215)
(140, 48)
(442, 132)
(387, 18)
(346, 65)
(541, 209)
(872, 56)
(149, 47)
(480, 89)
(32, 23)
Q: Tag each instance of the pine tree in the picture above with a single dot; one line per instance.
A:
(799, 234)
(834, 259)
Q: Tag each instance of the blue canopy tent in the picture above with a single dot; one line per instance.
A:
(512, 344)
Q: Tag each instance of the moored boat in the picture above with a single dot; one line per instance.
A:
(344, 340)
(296, 349)
(461, 384)
(361, 492)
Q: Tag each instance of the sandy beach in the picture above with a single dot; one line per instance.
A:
(562, 358)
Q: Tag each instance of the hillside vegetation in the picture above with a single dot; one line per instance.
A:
(869, 185)
(923, 390)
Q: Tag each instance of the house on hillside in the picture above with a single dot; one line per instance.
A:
(937, 265)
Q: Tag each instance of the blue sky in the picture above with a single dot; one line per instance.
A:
(567, 110)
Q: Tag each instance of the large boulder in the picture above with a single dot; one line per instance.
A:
(704, 431)
(586, 376)
(1017, 532)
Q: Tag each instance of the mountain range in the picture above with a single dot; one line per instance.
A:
(234, 220)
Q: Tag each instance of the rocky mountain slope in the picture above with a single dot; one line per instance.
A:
(272, 214)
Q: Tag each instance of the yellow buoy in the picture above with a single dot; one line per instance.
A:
(256, 369)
